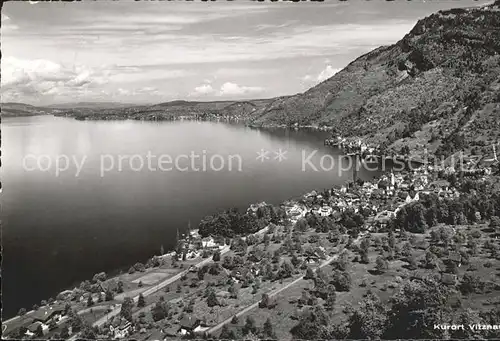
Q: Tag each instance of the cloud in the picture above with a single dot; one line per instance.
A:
(227, 89)
(7, 25)
(326, 73)
(22, 79)
(231, 89)
(204, 89)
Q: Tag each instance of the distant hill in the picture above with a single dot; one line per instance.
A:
(92, 105)
(169, 111)
(438, 87)
(11, 109)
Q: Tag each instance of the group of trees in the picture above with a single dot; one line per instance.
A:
(232, 222)
(410, 314)
(430, 211)
(249, 330)
(160, 310)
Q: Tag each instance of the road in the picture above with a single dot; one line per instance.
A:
(271, 294)
(277, 291)
(156, 288)
(152, 290)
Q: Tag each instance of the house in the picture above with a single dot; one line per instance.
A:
(419, 275)
(157, 335)
(449, 279)
(32, 328)
(120, 328)
(188, 324)
(383, 218)
(223, 294)
(171, 331)
(48, 313)
(295, 211)
(200, 330)
(325, 211)
(209, 243)
(456, 258)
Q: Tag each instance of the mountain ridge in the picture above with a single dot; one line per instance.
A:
(438, 84)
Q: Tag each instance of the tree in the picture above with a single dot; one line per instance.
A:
(90, 301)
(301, 225)
(264, 302)
(233, 291)
(381, 264)
(470, 284)
(295, 260)
(226, 333)
(341, 280)
(235, 320)
(430, 260)
(212, 299)
(451, 267)
(216, 256)
(364, 256)
(99, 277)
(331, 298)
(309, 273)
(267, 329)
(249, 326)
(286, 269)
(119, 288)
(64, 332)
(126, 309)
(415, 308)
(495, 223)
(159, 311)
(140, 284)
(108, 296)
(412, 262)
(141, 302)
(88, 333)
(76, 321)
(367, 322)
(190, 306)
(391, 239)
(21, 312)
(312, 324)
(39, 331)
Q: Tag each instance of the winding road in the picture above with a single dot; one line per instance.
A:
(277, 291)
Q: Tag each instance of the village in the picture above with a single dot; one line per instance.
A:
(218, 284)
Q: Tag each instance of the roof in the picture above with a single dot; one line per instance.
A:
(171, 331)
(448, 278)
(46, 312)
(157, 335)
(34, 326)
(455, 257)
(189, 322)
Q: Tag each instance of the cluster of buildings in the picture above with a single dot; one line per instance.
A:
(45, 319)
(351, 146)
(382, 198)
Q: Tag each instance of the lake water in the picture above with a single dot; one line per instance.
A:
(60, 229)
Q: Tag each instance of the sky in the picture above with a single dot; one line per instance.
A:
(152, 52)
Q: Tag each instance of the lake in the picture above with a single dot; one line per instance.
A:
(98, 213)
